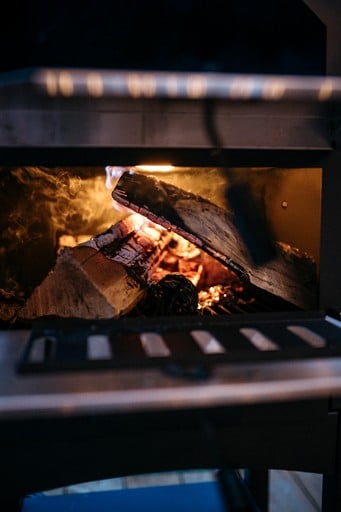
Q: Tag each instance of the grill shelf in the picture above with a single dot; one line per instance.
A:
(183, 345)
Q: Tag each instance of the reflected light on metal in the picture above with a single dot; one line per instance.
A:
(195, 86)
(66, 85)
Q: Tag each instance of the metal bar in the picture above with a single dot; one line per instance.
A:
(174, 85)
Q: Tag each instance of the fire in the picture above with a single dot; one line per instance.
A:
(217, 286)
(218, 295)
(68, 210)
(112, 173)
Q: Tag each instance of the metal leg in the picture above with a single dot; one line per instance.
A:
(331, 493)
(331, 484)
(257, 481)
(235, 492)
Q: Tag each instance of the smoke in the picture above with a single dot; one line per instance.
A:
(38, 205)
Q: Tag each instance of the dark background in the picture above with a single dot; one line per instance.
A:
(266, 36)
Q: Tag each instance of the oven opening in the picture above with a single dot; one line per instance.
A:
(123, 242)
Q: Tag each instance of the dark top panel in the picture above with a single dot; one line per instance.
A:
(244, 36)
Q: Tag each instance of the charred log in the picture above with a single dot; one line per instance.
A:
(173, 294)
(291, 275)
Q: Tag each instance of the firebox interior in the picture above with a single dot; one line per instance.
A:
(64, 207)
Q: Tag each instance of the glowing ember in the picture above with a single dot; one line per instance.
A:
(216, 284)
(219, 294)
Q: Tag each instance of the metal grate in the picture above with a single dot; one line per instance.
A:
(249, 299)
(172, 344)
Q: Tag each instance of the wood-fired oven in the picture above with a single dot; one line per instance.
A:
(248, 377)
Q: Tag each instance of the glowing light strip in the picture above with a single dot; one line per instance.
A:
(159, 84)
(155, 168)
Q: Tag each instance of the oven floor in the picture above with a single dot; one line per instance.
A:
(289, 490)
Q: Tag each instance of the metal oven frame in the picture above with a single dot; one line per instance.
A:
(82, 426)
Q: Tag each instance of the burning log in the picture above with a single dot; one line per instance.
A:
(291, 275)
(102, 278)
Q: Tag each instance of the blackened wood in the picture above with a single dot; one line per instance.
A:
(291, 275)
